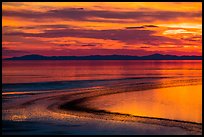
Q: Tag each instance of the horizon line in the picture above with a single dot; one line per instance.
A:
(105, 55)
(155, 56)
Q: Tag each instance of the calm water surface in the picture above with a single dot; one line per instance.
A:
(40, 71)
(178, 103)
(182, 102)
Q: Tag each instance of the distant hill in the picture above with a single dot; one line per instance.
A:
(107, 57)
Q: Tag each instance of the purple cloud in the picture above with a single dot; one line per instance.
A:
(88, 15)
(129, 36)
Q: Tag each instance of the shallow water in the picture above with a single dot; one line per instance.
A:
(178, 103)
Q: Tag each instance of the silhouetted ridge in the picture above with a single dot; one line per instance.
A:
(107, 57)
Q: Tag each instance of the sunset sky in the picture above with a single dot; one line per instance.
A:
(101, 28)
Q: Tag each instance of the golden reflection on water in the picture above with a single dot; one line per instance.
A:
(180, 103)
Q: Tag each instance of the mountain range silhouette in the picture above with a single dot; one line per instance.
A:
(106, 57)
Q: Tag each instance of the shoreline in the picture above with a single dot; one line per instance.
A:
(84, 112)
(70, 104)
(76, 107)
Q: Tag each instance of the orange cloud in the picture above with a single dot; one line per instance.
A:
(158, 27)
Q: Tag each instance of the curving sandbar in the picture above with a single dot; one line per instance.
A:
(81, 108)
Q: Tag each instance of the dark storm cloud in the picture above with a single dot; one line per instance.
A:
(89, 15)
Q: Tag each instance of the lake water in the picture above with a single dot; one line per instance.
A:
(41, 71)
(162, 89)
